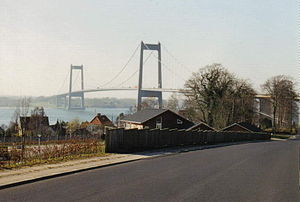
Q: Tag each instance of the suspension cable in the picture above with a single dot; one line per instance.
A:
(167, 66)
(118, 74)
(136, 70)
(59, 90)
(180, 63)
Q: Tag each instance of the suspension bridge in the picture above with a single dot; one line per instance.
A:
(66, 99)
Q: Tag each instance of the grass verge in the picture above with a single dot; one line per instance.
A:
(280, 136)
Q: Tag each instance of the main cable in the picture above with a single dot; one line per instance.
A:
(136, 70)
(118, 74)
(166, 66)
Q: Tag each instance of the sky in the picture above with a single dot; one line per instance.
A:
(40, 39)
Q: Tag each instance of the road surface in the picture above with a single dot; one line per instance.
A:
(263, 171)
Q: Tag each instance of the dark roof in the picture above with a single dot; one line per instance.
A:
(201, 126)
(29, 122)
(143, 115)
(248, 126)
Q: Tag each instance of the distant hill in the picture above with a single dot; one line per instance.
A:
(13, 101)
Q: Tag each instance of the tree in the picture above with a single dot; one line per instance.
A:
(16, 115)
(149, 103)
(282, 93)
(242, 102)
(37, 124)
(24, 106)
(12, 129)
(72, 126)
(218, 98)
(2, 130)
(209, 87)
(119, 118)
(173, 103)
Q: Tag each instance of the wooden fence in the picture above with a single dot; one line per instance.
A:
(132, 140)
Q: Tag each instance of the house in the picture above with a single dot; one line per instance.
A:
(29, 124)
(81, 132)
(59, 128)
(155, 118)
(99, 124)
(242, 127)
(201, 126)
(101, 120)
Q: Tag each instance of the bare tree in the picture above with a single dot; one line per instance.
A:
(218, 98)
(72, 126)
(149, 103)
(24, 109)
(173, 103)
(209, 89)
(37, 124)
(281, 88)
(16, 115)
(242, 102)
(24, 106)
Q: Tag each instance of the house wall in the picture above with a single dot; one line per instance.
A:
(133, 125)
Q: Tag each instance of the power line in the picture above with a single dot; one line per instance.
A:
(131, 57)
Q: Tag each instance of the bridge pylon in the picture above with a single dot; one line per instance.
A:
(71, 94)
(148, 93)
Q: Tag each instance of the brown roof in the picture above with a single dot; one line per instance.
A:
(100, 119)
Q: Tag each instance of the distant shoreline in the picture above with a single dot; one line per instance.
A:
(50, 102)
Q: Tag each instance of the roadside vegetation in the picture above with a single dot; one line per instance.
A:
(13, 156)
(29, 140)
(281, 136)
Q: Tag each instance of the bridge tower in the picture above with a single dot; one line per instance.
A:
(72, 94)
(148, 93)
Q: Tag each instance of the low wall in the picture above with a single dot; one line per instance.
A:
(132, 140)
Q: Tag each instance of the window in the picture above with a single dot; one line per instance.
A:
(159, 122)
(179, 121)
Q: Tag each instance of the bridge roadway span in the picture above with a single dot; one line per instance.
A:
(79, 92)
(169, 90)
(262, 171)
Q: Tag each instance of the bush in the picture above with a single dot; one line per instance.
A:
(286, 131)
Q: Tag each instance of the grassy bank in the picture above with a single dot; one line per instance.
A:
(50, 153)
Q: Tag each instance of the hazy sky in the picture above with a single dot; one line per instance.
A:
(40, 39)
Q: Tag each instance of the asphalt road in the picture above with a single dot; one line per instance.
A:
(264, 171)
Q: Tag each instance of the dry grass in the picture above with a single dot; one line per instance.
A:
(51, 152)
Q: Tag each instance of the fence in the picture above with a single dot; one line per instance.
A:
(132, 140)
